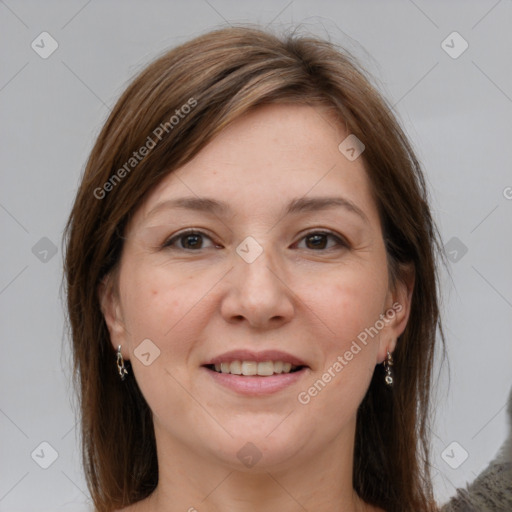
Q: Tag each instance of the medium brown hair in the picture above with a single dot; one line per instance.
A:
(225, 74)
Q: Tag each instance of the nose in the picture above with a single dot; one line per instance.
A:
(258, 294)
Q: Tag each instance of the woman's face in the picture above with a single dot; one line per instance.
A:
(284, 263)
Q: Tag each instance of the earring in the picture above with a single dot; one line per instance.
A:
(388, 363)
(123, 372)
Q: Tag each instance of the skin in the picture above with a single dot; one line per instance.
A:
(305, 299)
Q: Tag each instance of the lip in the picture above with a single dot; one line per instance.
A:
(258, 357)
(256, 385)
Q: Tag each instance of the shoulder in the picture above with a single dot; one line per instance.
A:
(489, 492)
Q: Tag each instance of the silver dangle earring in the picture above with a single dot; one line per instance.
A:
(388, 363)
(123, 372)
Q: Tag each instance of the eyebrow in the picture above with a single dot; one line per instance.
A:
(295, 206)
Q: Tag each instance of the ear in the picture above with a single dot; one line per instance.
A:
(398, 309)
(110, 307)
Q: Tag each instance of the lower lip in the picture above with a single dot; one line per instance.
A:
(256, 385)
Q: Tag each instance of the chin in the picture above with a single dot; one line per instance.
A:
(260, 456)
(256, 446)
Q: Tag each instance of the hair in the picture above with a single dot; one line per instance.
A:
(221, 76)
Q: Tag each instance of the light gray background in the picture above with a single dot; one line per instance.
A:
(456, 111)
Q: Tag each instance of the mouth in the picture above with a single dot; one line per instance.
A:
(256, 373)
(253, 368)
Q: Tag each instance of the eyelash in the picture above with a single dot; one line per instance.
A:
(169, 243)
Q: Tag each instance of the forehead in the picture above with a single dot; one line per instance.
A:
(265, 159)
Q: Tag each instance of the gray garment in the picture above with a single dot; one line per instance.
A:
(492, 489)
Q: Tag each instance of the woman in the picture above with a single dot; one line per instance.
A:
(252, 288)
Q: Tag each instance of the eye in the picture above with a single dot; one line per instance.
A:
(190, 240)
(193, 239)
(317, 240)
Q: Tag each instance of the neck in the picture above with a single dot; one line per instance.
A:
(193, 482)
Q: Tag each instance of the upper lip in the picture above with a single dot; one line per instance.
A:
(259, 357)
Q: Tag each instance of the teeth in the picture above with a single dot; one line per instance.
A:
(235, 368)
(266, 368)
(278, 366)
(248, 368)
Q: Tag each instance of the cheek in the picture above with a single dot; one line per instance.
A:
(350, 303)
(171, 309)
(157, 300)
(158, 305)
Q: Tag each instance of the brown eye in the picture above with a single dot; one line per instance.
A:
(318, 240)
(189, 240)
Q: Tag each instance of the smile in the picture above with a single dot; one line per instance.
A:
(250, 368)
(256, 373)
